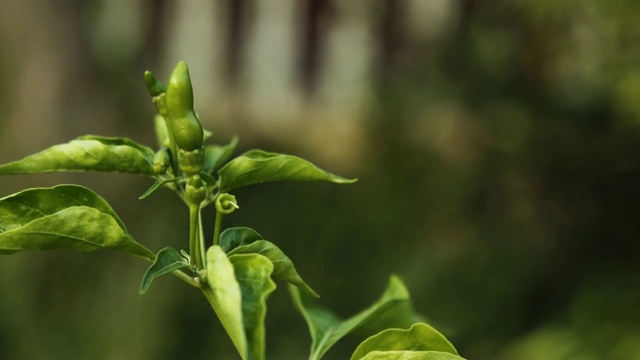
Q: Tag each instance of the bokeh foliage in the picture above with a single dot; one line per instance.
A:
(498, 166)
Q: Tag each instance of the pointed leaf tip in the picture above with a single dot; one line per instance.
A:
(283, 266)
(224, 295)
(326, 328)
(258, 166)
(253, 272)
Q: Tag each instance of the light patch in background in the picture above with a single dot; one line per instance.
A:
(271, 67)
(431, 19)
(117, 31)
(193, 35)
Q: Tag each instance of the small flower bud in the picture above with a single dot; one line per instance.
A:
(226, 204)
(191, 162)
(195, 190)
(161, 161)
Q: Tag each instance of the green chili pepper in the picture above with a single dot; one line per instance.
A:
(175, 104)
(183, 121)
(154, 85)
(157, 90)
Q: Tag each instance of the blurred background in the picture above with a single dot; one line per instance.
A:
(497, 145)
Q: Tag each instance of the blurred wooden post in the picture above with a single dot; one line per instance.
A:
(237, 26)
(314, 22)
(390, 35)
(154, 36)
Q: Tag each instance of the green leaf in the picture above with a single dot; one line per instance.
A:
(63, 217)
(210, 182)
(283, 267)
(410, 355)
(216, 155)
(87, 153)
(236, 236)
(224, 295)
(326, 328)
(253, 272)
(167, 260)
(257, 166)
(243, 240)
(157, 185)
(420, 337)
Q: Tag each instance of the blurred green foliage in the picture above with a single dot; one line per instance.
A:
(499, 179)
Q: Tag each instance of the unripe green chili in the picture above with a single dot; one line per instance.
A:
(154, 85)
(157, 90)
(183, 121)
(175, 104)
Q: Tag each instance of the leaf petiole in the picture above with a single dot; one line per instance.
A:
(186, 278)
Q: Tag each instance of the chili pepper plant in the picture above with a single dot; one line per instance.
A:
(234, 269)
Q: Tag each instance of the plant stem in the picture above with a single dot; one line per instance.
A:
(186, 278)
(203, 250)
(195, 246)
(220, 313)
(216, 228)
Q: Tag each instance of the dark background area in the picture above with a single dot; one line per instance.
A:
(496, 145)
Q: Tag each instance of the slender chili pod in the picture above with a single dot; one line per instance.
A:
(183, 121)
(154, 85)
